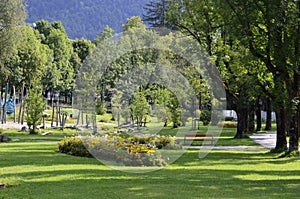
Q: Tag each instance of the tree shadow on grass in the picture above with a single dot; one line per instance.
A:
(166, 183)
(221, 174)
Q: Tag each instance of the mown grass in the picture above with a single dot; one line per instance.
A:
(35, 170)
(32, 168)
(55, 135)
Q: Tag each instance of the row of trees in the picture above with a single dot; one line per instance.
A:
(134, 68)
(43, 59)
(38, 58)
(255, 45)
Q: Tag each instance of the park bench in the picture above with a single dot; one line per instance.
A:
(199, 137)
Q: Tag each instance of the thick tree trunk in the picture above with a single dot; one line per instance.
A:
(294, 134)
(281, 143)
(258, 115)
(251, 119)
(242, 116)
(258, 120)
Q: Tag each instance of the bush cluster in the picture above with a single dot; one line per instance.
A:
(228, 124)
(73, 146)
(129, 151)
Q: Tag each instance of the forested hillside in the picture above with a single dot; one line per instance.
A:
(85, 18)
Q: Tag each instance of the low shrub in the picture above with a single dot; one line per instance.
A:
(228, 124)
(73, 146)
(126, 150)
(229, 119)
(205, 117)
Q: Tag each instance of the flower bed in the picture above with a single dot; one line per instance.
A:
(130, 151)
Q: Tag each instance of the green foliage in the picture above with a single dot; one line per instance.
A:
(174, 109)
(229, 118)
(33, 57)
(83, 48)
(139, 107)
(100, 107)
(132, 23)
(35, 105)
(205, 117)
(106, 33)
(12, 18)
(59, 76)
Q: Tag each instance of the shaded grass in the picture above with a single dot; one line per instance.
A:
(44, 173)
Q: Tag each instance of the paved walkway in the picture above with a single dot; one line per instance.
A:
(266, 140)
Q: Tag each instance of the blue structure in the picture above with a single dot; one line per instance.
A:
(9, 106)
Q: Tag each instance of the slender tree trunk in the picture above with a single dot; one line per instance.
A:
(82, 120)
(59, 117)
(14, 91)
(23, 111)
(21, 103)
(268, 126)
(52, 107)
(94, 124)
(87, 121)
(258, 115)
(57, 112)
(78, 118)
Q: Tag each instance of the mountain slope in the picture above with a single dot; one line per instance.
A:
(85, 18)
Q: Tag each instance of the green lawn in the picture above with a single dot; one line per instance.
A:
(36, 170)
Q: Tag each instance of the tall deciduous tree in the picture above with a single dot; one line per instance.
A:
(12, 17)
(270, 29)
(60, 76)
(139, 107)
(33, 57)
(203, 21)
(35, 105)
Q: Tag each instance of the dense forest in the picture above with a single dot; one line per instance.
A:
(85, 18)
